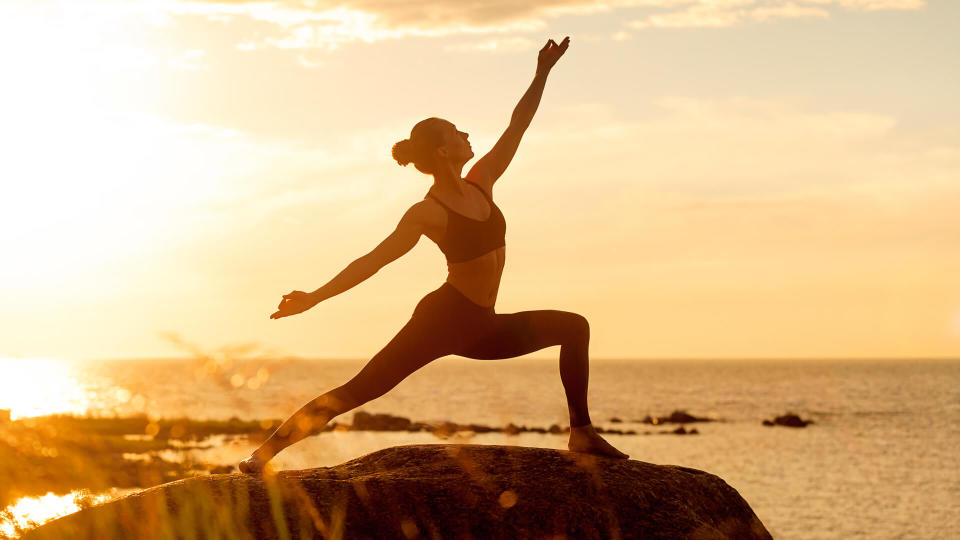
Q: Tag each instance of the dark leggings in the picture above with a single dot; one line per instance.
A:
(447, 322)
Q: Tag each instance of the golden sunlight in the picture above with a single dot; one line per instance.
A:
(89, 168)
(28, 512)
(39, 386)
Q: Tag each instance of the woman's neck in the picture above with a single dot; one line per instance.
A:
(447, 179)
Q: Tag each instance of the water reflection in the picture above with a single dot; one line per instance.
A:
(30, 512)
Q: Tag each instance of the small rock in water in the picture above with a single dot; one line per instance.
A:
(682, 417)
(479, 428)
(789, 420)
(676, 417)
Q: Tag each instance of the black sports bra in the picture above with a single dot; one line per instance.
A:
(468, 238)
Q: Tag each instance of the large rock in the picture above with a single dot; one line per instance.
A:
(433, 491)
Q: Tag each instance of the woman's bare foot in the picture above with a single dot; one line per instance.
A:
(586, 439)
(252, 465)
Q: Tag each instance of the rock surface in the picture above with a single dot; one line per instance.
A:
(433, 491)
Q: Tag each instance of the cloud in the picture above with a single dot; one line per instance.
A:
(189, 60)
(328, 24)
(738, 147)
(741, 181)
(872, 5)
(512, 44)
(429, 16)
(727, 13)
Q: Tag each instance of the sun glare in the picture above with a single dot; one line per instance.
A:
(39, 386)
(90, 174)
(30, 511)
(37, 510)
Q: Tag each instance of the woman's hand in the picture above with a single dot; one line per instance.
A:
(293, 303)
(550, 53)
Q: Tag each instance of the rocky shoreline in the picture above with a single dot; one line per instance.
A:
(62, 453)
(363, 421)
(434, 491)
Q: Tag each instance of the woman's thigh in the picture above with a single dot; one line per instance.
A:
(516, 334)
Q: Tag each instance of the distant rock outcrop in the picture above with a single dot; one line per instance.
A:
(789, 420)
(433, 491)
(380, 422)
(676, 417)
(364, 421)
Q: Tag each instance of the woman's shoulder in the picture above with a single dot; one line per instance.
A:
(480, 179)
(429, 211)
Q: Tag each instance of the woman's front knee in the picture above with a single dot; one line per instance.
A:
(579, 327)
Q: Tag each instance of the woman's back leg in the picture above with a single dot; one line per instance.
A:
(415, 345)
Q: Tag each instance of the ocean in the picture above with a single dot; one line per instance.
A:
(879, 461)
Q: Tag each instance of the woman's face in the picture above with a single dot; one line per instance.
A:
(457, 144)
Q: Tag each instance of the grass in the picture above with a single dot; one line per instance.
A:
(61, 453)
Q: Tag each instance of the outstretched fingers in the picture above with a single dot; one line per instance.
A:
(552, 45)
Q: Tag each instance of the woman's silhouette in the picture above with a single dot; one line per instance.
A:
(458, 318)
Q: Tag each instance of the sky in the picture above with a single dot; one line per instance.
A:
(703, 179)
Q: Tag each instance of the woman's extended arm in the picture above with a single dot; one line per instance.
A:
(491, 166)
(401, 240)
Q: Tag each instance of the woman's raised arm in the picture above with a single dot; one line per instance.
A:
(491, 166)
(401, 240)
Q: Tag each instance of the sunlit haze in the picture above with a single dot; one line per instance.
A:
(735, 179)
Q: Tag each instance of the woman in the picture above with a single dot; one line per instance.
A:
(458, 318)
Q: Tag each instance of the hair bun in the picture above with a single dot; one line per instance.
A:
(403, 152)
